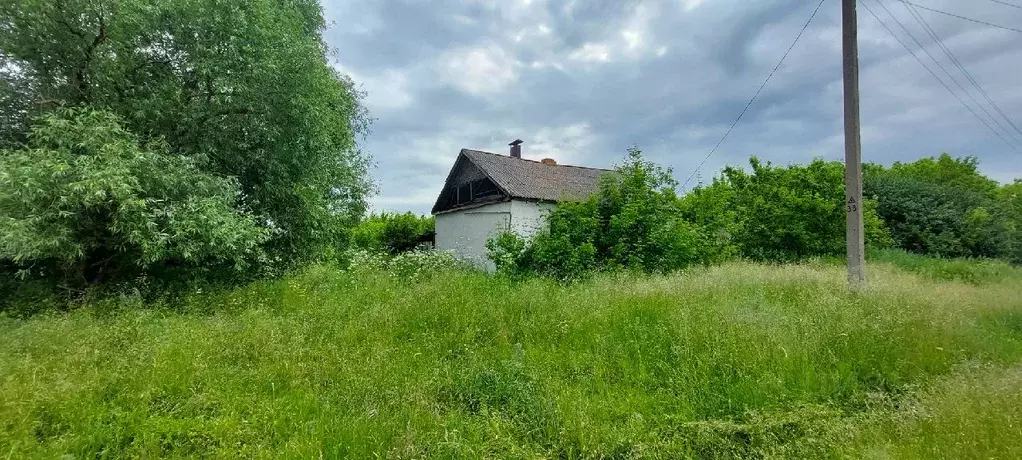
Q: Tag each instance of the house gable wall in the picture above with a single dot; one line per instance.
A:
(467, 186)
(467, 172)
(529, 217)
(466, 231)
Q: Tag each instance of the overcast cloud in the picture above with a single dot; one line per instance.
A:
(581, 81)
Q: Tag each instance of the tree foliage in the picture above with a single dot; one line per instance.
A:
(87, 200)
(781, 213)
(1011, 198)
(632, 222)
(954, 173)
(244, 88)
(943, 207)
(393, 233)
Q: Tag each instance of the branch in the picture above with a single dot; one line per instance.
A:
(81, 75)
(62, 21)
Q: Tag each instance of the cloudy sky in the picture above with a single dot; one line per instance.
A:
(582, 80)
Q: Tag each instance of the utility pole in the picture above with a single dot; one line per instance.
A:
(853, 148)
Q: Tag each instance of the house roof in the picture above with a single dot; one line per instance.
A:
(534, 180)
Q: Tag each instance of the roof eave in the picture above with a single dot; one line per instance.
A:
(473, 205)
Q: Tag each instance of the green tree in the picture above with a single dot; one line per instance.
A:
(781, 213)
(641, 224)
(941, 206)
(566, 249)
(403, 231)
(634, 222)
(368, 234)
(245, 88)
(711, 207)
(1010, 198)
(393, 233)
(946, 171)
(87, 201)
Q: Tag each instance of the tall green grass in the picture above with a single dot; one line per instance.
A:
(974, 414)
(735, 361)
(974, 271)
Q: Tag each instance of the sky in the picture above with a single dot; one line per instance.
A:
(581, 81)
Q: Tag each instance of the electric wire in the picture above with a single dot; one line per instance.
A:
(961, 17)
(751, 101)
(948, 73)
(936, 38)
(934, 74)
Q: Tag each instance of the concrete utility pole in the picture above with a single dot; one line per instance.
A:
(853, 148)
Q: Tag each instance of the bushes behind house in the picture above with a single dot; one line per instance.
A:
(392, 233)
(633, 222)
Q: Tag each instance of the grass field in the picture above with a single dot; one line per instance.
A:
(735, 361)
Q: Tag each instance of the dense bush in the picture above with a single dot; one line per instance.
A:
(935, 206)
(567, 248)
(937, 220)
(1010, 197)
(86, 201)
(393, 233)
(944, 207)
(780, 213)
(955, 173)
(632, 222)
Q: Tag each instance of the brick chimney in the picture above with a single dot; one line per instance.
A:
(516, 148)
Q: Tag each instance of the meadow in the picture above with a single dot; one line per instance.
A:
(735, 361)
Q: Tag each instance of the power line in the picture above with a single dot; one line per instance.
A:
(882, 23)
(1007, 4)
(961, 17)
(760, 90)
(933, 34)
(946, 72)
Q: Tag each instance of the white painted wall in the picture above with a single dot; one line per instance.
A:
(528, 217)
(466, 232)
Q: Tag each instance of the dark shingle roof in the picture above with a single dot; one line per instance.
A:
(533, 180)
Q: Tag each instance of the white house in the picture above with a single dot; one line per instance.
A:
(486, 193)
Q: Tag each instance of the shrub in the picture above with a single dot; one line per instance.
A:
(781, 213)
(942, 207)
(1010, 198)
(956, 173)
(393, 233)
(86, 201)
(506, 251)
(641, 223)
(368, 234)
(566, 248)
(633, 222)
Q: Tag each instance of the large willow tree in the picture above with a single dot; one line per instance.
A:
(243, 86)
